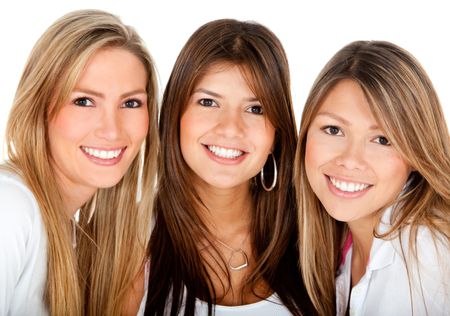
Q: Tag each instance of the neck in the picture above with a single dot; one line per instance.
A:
(229, 210)
(362, 244)
(228, 218)
(73, 196)
(362, 235)
(75, 199)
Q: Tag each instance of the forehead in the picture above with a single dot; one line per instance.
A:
(226, 76)
(225, 66)
(344, 92)
(219, 69)
(109, 59)
(348, 100)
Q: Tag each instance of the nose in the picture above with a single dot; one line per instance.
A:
(108, 125)
(230, 123)
(352, 155)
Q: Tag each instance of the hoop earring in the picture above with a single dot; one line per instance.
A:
(274, 181)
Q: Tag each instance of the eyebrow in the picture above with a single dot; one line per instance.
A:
(217, 95)
(343, 120)
(101, 95)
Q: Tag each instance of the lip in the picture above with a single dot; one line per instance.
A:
(223, 160)
(104, 161)
(344, 194)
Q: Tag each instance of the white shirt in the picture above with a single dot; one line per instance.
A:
(385, 289)
(271, 306)
(23, 250)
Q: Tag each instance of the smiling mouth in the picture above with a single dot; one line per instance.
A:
(222, 152)
(346, 186)
(102, 154)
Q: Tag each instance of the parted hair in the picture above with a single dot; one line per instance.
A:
(405, 104)
(176, 263)
(92, 278)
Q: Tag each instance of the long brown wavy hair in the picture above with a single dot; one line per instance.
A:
(176, 264)
(404, 103)
(111, 247)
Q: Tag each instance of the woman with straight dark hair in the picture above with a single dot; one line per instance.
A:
(225, 235)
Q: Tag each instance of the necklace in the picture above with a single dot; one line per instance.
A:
(234, 253)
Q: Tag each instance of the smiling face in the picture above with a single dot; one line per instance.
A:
(350, 164)
(225, 137)
(99, 130)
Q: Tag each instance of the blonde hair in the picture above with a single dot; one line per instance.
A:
(404, 103)
(111, 247)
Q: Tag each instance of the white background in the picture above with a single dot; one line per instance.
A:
(311, 32)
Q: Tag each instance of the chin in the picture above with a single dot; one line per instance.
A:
(220, 182)
(107, 183)
(345, 217)
(339, 215)
(222, 185)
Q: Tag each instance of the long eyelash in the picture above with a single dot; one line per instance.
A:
(138, 102)
(75, 100)
(325, 128)
(202, 102)
(388, 141)
(260, 107)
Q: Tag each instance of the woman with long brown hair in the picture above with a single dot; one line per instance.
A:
(81, 131)
(373, 186)
(225, 238)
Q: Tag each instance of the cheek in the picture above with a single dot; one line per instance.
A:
(311, 167)
(395, 171)
(185, 130)
(65, 133)
(263, 134)
(309, 155)
(139, 127)
(188, 133)
(318, 155)
(194, 125)
(312, 155)
(65, 127)
(134, 125)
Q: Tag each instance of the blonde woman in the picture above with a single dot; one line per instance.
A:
(81, 130)
(373, 185)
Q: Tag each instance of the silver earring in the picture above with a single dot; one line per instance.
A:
(274, 181)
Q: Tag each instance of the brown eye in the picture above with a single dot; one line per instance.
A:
(256, 109)
(332, 130)
(382, 141)
(207, 102)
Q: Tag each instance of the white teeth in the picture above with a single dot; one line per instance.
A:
(225, 152)
(348, 186)
(102, 154)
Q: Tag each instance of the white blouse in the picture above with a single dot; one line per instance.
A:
(391, 287)
(23, 250)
